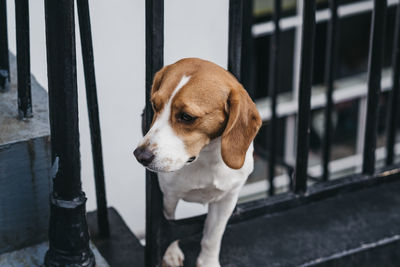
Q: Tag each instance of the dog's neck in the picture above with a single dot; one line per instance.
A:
(211, 153)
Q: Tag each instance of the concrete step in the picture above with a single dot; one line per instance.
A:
(360, 228)
(24, 168)
(355, 229)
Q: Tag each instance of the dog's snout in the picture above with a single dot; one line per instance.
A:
(143, 155)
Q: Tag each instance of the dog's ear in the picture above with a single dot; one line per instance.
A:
(158, 77)
(244, 121)
(157, 80)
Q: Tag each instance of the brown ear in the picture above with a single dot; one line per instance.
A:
(243, 124)
(154, 88)
(157, 80)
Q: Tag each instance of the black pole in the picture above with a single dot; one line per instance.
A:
(23, 59)
(4, 61)
(68, 231)
(273, 87)
(374, 85)
(247, 70)
(394, 94)
(93, 111)
(235, 37)
(330, 68)
(155, 235)
(303, 119)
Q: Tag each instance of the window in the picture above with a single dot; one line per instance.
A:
(349, 96)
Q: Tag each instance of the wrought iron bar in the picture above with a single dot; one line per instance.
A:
(68, 231)
(247, 69)
(93, 111)
(23, 59)
(235, 37)
(155, 236)
(273, 87)
(374, 84)
(330, 68)
(303, 119)
(393, 119)
(4, 60)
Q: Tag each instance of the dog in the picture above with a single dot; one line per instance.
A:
(201, 145)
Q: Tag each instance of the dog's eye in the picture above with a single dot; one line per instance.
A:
(186, 118)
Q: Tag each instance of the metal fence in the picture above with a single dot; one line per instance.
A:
(68, 232)
(69, 239)
(160, 231)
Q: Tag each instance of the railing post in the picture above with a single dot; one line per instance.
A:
(68, 231)
(235, 37)
(374, 84)
(330, 71)
(303, 119)
(273, 89)
(23, 59)
(247, 70)
(155, 235)
(393, 118)
(4, 61)
(93, 112)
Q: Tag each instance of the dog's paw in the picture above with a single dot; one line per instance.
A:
(207, 262)
(173, 257)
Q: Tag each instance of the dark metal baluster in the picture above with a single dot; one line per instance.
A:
(247, 70)
(303, 119)
(330, 68)
(4, 61)
(155, 236)
(93, 111)
(23, 59)
(393, 119)
(273, 87)
(374, 84)
(68, 233)
(235, 36)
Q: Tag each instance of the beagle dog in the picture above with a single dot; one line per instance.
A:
(201, 145)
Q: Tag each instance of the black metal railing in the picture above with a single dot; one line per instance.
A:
(23, 56)
(68, 235)
(303, 120)
(330, 71)
(163, 231)
(4, 60)
(374, 84)
(68, 232)
(23, 59)
(273, 87)
(394, 94)
(93, 110)
(155, 221)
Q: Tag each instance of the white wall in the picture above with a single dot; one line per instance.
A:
(192, 29)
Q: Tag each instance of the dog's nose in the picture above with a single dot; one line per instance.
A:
(143, 155)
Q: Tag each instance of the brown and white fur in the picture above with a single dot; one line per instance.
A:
(201, 145)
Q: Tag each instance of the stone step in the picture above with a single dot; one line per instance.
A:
(24, 168)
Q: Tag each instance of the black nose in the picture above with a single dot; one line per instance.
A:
(143, 155)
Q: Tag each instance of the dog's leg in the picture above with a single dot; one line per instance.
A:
(217, 218)
(170, 203)
(173, 256)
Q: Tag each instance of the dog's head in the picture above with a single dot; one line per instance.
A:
(195, 101)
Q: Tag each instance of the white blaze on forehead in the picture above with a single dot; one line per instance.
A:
(164, 117)
(169, 149)
(181, 84)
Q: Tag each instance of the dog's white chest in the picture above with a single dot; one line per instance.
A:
(207, 179)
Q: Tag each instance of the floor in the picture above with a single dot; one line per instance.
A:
(33, 256)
